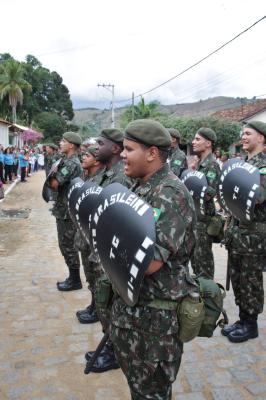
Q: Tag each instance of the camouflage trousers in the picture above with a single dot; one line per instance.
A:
(103, 298)
(202, 261)
(247, 281)
(148, 378)
(66, 233)
(90, 269)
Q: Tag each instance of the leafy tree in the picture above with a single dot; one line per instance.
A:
(72, 127)
(141, 111)
(52, 125)
(48, 94)
(12, 84)
(88, 131)
(5, 57)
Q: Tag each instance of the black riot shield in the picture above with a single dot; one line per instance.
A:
(46, 190)
(196, 183)
(124, 237)
(84, 205)
(239, 187)
(73, 192)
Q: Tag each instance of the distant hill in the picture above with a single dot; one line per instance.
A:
(97, 119)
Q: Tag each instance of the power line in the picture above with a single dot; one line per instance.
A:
(196, 63)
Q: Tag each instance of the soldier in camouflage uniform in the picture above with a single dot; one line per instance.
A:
(68, 169)
(246, 246)
(145, 336)
(202, 261)
(92, 168)
(110, 145)
(178, 160)
(51, 155)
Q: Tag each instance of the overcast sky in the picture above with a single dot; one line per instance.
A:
(136, 45)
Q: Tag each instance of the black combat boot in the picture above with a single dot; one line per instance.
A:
(230, 328)
(83, 311)
(73, 282)
(105, 361)
(89, 315)
(248, 329)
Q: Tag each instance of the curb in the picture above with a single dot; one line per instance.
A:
(8, 190)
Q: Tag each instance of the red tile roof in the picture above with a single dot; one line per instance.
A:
(239, 114)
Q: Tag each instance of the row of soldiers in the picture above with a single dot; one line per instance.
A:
(144, 339)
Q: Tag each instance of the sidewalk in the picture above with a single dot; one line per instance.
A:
(42, 345)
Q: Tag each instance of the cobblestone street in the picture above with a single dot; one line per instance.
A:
(42, 343)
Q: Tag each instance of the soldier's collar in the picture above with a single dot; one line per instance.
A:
(157, 177)
(206, 159)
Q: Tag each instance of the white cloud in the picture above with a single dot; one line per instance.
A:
(138, 45)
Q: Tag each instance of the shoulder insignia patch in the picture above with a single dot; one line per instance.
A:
(156, 213)
(211, 175)
(263, 171)
(177, 162)
(64, 171)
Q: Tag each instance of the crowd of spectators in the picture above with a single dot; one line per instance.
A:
(18, 163)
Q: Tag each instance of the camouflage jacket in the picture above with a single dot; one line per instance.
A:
(251, 238)
(259, 161)
(175, 239)
(210, 168)
(68, 169)
(178, 162)
(50, 159)
(113, 175)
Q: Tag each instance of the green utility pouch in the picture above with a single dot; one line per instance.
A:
(215, 228)
(212, 294)
(191, 315)
(103, 293)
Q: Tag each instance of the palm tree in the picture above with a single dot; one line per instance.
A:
(12, 83)
(141, 111)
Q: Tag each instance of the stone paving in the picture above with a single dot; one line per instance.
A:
(42, 345)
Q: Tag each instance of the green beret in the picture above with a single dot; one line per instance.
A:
(113, 134)
(92, 150)
(259, 126)
(72, 137)
(174, 133)
(148, 132)
(208, 134)
(52, 145)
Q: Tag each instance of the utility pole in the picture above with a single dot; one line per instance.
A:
(110, 88)
(133, 116)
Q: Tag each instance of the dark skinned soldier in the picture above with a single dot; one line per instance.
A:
(110, 145)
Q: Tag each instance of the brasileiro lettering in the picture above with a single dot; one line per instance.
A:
(248, 167)
(90, 190)
(193, 173)
(132, 200)
(75, 186)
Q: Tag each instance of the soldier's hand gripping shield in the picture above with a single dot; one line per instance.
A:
(196, 183)
(73, 193)
(239, 187)
(124, 238)
(46, 190)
